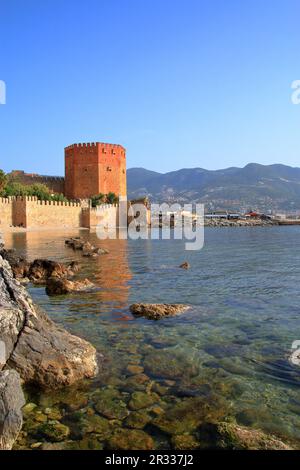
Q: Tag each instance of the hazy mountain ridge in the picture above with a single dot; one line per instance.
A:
(264, 187)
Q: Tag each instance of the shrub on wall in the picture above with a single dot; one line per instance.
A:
(59, 197)
(98, 199)
(112, 198)
(13, 188)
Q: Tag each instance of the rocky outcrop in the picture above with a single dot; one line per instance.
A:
(185, 265)
(40, 269)
(65, 286)
(18, 264)
(40, 351)
(11, 403)
(88, 250)
(157, 311)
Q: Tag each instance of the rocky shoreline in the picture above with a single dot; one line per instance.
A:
(40, 353)
(34, 350)
(240, 223)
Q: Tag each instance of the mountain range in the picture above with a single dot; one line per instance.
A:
(257, 187)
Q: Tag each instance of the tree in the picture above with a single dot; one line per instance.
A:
(15, 189)
(41, 191)
(112, 198)
(98, 199)
(58, 197)
(3, 180)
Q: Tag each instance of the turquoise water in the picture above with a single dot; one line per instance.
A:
(229, 352)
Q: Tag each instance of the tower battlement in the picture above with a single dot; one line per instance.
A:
(95, 144)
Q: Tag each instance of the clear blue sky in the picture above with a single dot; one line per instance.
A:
(180, 83)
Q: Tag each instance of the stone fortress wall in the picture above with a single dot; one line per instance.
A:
(56, 184)
(29, 212)
(6, 215)
(90, 169)
(106, 214)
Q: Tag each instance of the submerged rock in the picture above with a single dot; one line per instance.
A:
(87, 443)
(53, 431)
(55, 446)
(136, 382)
(160, 389)
(169, 365)
(95, 424)
(137, 419)
(157, 311)
(185, 265)
(109, 404)
(232, 436)
(126, 439)
(134, 369)
(53, 414)
(183, 417)
(185, 442)
(65, 286)
(140, 400)
(28, 409)
(11, 402)
(71, 398)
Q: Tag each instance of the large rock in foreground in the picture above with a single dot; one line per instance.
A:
(157, 311)
(39, 350)
(11, 403)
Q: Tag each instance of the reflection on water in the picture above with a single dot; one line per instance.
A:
(225, 358)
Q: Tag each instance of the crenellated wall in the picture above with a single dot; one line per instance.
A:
(29, 212)
(52, 214)
(6, 212)
(56, 184)
(106, 215)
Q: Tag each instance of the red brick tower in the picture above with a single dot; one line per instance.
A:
(94, 168)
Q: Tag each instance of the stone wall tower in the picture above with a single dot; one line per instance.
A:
(94, 168)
